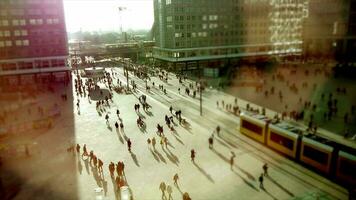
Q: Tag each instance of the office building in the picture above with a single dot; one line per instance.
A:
(329, 30)
(192, 34)
(33, 41)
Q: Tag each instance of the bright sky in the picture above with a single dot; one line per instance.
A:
(96, 15)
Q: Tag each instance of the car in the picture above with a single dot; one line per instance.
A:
(125, 193)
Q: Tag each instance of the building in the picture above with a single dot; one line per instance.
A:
(329, 30)
(33, 41)
(210, 34)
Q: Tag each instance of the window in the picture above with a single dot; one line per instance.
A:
(25, 42)
(24, 32)
(49, 21)
(8, 43)
(55, 21)
(169, 18)
(284, 141)
(17, 32)
(315, 154)
(168, 2)
(252, 127)
(7, 33)
(204, 18)
(15, 22)
(32, 21)
(39, 21)
(22, 22)
(2, 44)
(1, 34)
(18, 43)
(204, 26)
(5, 22)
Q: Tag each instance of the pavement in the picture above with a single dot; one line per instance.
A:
(58, 174)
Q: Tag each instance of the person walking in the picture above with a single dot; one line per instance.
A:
(211, 140)
(265, 169)
(218, 130)
(116, 125)
(129, 144)
(149, 142)
(95, 160)
(100, 165)
(162, 187)
(91, 155)
(175, 179)
(192, 155)
(78, 148)
(260, 179)
(232, 160)
(85, 153)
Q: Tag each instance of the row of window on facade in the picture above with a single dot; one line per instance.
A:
(210, 52)
(22, 22)
(30, 11)
(264, 25)
(37, 64)
(204, 18)
(220, 42)
(7, 33)
(253, 33)
(9, 43)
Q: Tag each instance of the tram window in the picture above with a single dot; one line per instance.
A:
(315, 154)
(252, 127)
(347, 167)
(286, 142)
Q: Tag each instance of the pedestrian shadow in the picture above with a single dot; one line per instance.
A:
(280, 186)
(105, 186)
(154, 155)
(173, 156)
(228, 142)
(134, 158)
(181, 192)
(140, 115)
(160, 156)
(119, 136)
(109, 128)
(80, 166)
(174, 161)
(96, 176)
(143, 128)
(86, 163)
(149, 113)
(250, 176)
(180, 141)
(269, 194)
(222, 143)
(246, 181)
(203, 172)
(115, 188)
(228, 161)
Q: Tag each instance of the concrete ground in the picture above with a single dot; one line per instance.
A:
(319, 80)
(57, 174)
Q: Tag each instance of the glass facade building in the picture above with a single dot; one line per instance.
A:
(201, 31)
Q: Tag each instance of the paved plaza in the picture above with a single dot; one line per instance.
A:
(53, 173)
